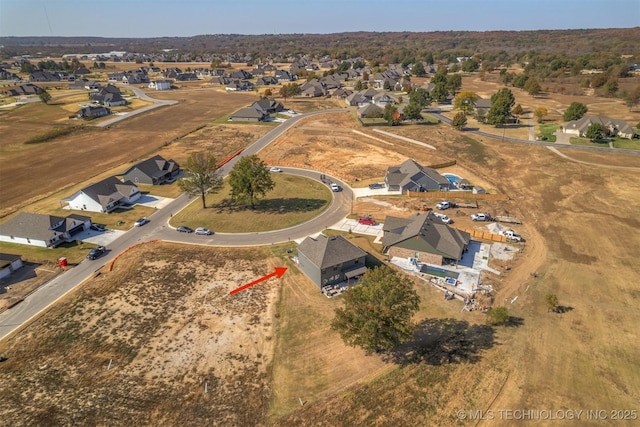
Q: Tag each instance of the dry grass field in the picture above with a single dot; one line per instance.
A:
(30, 172)
(158, 314)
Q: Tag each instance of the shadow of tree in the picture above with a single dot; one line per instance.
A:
(274, 206)
(441, 341)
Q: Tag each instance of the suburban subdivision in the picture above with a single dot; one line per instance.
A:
(196, 234)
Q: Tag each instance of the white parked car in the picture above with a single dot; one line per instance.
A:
(443, 205)
(481, 217)
(203, 231)
(335, 187)
(140, 222)
(275, 169)
(442, 217)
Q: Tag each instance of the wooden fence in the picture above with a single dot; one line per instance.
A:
(479, 234)
(456, 195)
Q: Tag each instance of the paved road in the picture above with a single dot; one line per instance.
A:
(52, 291)
(435, 113)
(157, 103)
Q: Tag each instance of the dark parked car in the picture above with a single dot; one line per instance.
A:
(96, 252)
(184, 229)
(98, 227)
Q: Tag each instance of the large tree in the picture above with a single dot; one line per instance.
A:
(45, 96)
(419, 96)
(459, 121)
(501, 104)
(413, 111)
(418, 70)
(201, 176)
(595, 131)
(377, 314)
(454, 83)
(533, 87)
(465, 102)
(440, 92)
(289, 90)
(389, 111)
(250, 179)
(575, 111)
(540, 113)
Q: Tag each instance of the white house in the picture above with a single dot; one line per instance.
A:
(46, 231)
(160, 85)
(104, 196)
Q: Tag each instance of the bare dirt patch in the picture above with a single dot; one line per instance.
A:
(158, 341)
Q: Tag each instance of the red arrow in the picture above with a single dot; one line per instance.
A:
(279, 272)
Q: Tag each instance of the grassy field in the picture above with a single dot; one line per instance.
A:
(277, 210)
(546, 131)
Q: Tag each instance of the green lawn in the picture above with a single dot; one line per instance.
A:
(547, 130)
(294, 200)
(629, 144)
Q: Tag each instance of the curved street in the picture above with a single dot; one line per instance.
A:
(158, 229)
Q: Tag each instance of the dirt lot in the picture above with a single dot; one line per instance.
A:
(159, 342)
(580, 225)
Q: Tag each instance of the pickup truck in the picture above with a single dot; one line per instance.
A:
(511, 235)
(444, 205)
(481, 217)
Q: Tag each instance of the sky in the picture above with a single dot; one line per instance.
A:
(183, 18)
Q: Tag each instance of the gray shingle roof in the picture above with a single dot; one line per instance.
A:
(155, 166)
(32, 226)
(327, 251)
(412, 175)
(425, 233)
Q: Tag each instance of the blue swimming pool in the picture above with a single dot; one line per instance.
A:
(451, 177)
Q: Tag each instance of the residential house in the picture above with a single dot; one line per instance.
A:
(329, 260)
(46, 231)
(104, 196)
(482, 106)
(153, 171)
(43, 76)
(341, 93)
(356, 99)
(25, 90)
(241, 75)
(249, 114)
(239, 85)
(382, 99)
(424, 237)
(313, 89)
(109, 95)
(160, 84)
(92, 112)
(411, 176)
(614, 127)
(9, 263)
(284, 76)
(266, 80)
(268, 106)
(186, 77)
(219, 80)
(370, 111)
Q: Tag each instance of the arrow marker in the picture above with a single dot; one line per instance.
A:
(279, 272)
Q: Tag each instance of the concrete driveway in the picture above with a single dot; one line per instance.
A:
(98, 238)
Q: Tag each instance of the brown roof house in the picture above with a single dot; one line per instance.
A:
(329, 260)
(424, 237)
(46, 231)
(411, 176)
